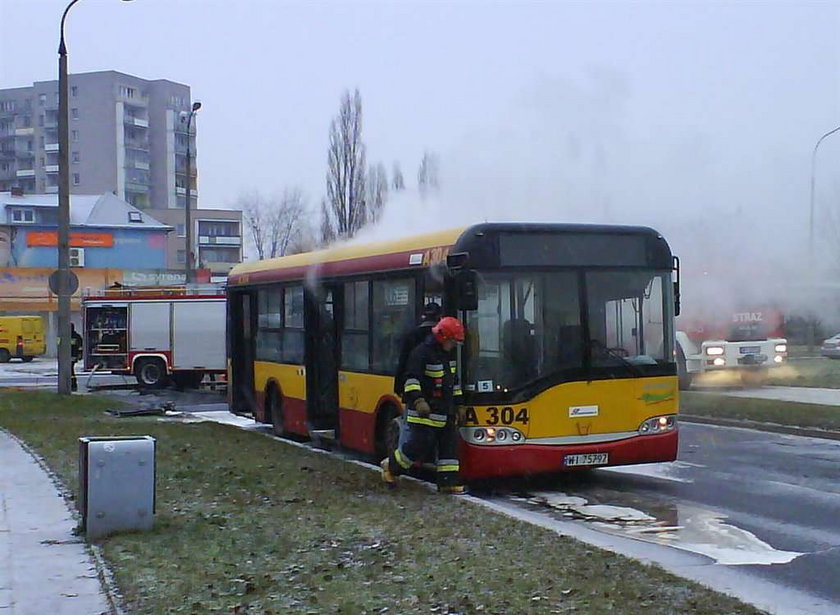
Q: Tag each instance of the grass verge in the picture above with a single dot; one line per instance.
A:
(763, 410)
(247, 524)
(824, 373)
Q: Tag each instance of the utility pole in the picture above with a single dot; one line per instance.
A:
(187, 218)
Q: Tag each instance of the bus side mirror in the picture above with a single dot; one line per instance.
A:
(676, 286)
(467, 284)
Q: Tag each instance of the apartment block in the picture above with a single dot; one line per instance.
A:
(128, 136)
(216, 235)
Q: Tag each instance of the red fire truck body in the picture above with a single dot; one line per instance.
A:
(156, 334)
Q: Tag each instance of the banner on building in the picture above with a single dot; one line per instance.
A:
(49, 239)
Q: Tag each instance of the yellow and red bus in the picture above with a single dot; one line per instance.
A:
(568, 363)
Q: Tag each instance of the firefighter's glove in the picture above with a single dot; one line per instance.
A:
(421, 407)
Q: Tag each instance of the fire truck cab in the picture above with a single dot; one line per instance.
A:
(745, 348)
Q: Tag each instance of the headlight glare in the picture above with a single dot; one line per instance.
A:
(714, 351)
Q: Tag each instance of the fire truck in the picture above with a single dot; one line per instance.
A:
(739, 348)
(156, 334)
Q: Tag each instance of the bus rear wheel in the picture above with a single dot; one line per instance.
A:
(150, 373)
(274, 411)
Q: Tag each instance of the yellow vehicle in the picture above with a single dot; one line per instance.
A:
(21, 337)
(568, 361)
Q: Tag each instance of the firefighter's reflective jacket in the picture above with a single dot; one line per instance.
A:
(431, 374)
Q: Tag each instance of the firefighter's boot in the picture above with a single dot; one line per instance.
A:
(453, 489)
(387, 476)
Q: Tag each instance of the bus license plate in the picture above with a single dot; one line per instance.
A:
(587, 459)
(750, 349)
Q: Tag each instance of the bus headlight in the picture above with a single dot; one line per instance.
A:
(778, 358)
(719, 361)
(781, 347)
(658, 424)
(714, 351)
(492, 436)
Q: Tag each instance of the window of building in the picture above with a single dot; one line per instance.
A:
(5, 166)
(75, 135)
(127, 92)
(77, 179)
(23, 215)
(42, 162)
(7, 105)
(42, 99)
(27, 121)
(74, 90)
(41, 120)
(135, 216)
(29, 145)
(181, 256)
(74, 113)
(354, 337)
(393, 315)
(76, 157)
(180, 230)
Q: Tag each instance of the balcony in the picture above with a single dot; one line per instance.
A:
(51, 168)
(137, 164)
(135, 187)
(135, 144)
(24, 153)
(51, 147)
(50, 189)
(26, 173)
(219, 240)
(136, 121)
(24, 132)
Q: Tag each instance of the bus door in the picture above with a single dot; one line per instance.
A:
(241, 351)
(321, 362)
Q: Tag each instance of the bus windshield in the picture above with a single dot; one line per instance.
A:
(528, 326)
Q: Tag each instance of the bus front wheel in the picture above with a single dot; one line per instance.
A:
(150, 373)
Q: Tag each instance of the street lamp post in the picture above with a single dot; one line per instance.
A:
(65, 289)
(187, 222)
(811, 264)
(64, 365)
(813, 183)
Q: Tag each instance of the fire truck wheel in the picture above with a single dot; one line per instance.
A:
(150, 373)
(27, 358)
(274, 410)
(5, 357)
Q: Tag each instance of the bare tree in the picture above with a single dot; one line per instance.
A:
(273, 222)
(255, 216)
(397, 180)
(344, 210)
(377, 188)
(428, 179)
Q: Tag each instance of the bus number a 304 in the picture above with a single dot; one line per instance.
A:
(496, 416)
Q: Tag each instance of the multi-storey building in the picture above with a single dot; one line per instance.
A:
(127, 136)
(216, 235)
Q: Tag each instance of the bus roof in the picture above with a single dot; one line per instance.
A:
(514, 244)
(350, 258)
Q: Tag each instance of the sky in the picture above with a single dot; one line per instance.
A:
(696, 118)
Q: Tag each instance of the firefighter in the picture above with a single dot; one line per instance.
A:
(432, 394)
(429, 318)
(75, 355)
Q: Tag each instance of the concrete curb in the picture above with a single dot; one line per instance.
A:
(106, 578)
(809, 432)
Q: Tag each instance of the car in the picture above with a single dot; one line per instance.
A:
(831, 347)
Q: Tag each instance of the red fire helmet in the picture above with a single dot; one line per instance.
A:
(448, 328)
